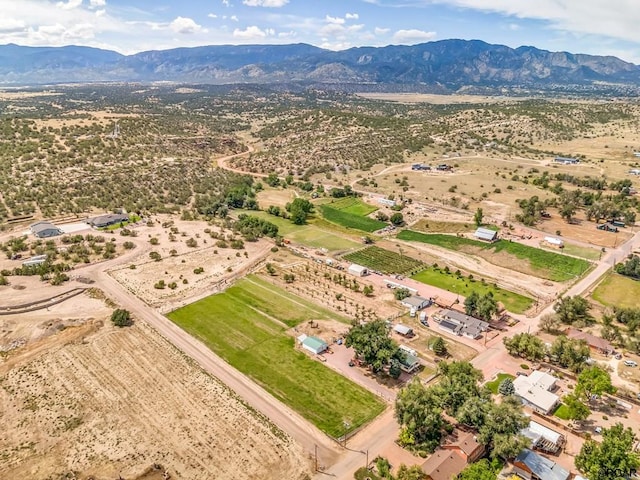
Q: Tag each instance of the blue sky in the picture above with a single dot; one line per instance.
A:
(603, 27)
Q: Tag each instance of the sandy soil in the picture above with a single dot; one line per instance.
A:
(100, 401)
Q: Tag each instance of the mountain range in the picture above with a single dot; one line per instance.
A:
(447, 64)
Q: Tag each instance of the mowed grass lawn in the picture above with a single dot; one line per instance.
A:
(547, 264)
(238, 326)
(514, 302)
(494, 384)
(351, 205)
(617, 290)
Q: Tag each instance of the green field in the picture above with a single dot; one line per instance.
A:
(584, 252)
(494, 384)
(617, 290)
(550, 265)
(242, 326)
(311, 235)
(514, 302)
(350, 220)
(562, 412)
(386, 261)
(352, 205)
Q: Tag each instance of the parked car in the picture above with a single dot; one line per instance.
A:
(630, 363)
(598, 430)
(521, 374)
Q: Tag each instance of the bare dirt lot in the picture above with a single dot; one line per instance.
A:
(98, 401)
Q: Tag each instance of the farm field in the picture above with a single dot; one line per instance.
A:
(542, 263)
(439, 226)
(85, 399)
(584, 252)
(617, 290)
(377, 258)
(351, 220)
(514, 302)
(247, 327)
(351, 205)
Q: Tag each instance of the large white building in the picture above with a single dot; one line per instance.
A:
(535, 391)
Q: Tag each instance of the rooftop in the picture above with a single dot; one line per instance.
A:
(542, 466)
(444, 465)
(592, 340)
(415, 301)
(486, 234)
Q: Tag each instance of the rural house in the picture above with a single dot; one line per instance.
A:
(416, 302)
(460, 324)
(45, 230)
(595, 343)
(535, 391)
(409, 361)
(313, 344)
(358, 270)
(566, 160)
(103, 221)
(543, 438)
(448, 461)
(530, 465)
(486, 234)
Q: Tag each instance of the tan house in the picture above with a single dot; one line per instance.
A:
(459, 450)
(595, 343)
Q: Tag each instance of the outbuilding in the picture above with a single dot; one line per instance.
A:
(45, 230)
(103, 221)
(416, 302)
(556, 242)
(403, 330)
(358, 270)
(566, 160)
(486, 234)
(313, 344)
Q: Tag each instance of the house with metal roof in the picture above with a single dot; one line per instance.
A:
(486, 234)
(313, 344)
(534, 391)
(409, 362)
(530, 465)
(45, 229)
(566, 160)
(460, 324)
(543, 438)
(416, 301)
(103, 221)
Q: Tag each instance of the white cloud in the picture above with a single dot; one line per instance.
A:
(11, 25)
(234, 18)
(413, 35)
(265, 3)
(185, 26)
(381, 31)
(226, 3)
(352, 16)
(335, 20)
(101, 12)
(97, 3)
(69, 5)
(212, 15)
(253, 33)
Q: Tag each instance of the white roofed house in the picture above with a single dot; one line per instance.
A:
(535, 391)
(486, 234)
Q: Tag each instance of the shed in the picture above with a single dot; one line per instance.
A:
(416, 301)
(403, 330)
(358, 270)
(45, 230)
(554, 241)
(313, 344)
(486, 234)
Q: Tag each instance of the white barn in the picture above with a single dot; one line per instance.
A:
(358, 270)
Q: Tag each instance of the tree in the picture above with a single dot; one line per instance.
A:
(501, 429)
(419, 416)
(371, 341)
(270, 268)
(569, 353)
(506, 387)
(473, 411)
(526, 346)
(481, 306)
(401, 293)
(439, 347)
(396, 218)
(394, 368)
(613, 458)
(549, 323)
(593, 381)
(121, 318)
(410, 473)
(481, 470)
(298, 210)
(458, 382)
(367, 290)
(573, 311)
(477, 217)
(576, 410)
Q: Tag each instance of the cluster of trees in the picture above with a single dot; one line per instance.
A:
(419, 410)
(372, 343)
(252, 227)
(566, 352)
(299, 210)
(613, 457)
(630, 268)
(121, 318)
(481, 306)
(573, 311)
(532, 210)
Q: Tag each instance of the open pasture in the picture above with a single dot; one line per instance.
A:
(351, 220)
(246, 325)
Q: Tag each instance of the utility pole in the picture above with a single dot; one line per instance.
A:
(316, 457)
